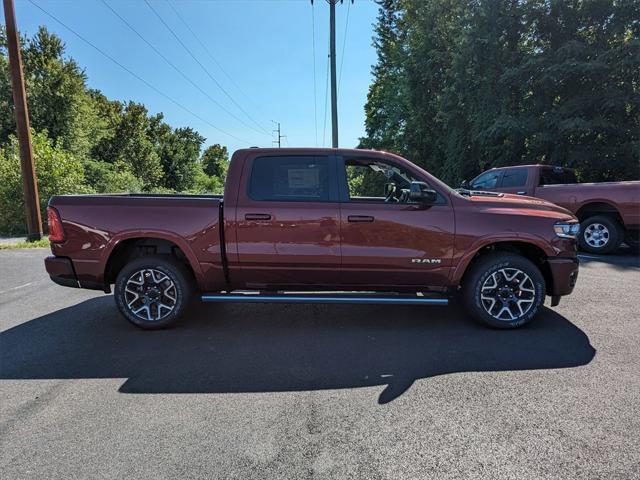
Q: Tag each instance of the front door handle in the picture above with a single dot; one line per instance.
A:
(257, 216)
(360, 219)
(521, 193)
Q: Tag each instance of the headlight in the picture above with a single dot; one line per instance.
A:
(567, 229)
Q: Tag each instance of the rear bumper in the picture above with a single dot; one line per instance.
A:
(564, 273)
(60, 270)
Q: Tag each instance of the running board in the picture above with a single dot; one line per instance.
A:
(323, 298)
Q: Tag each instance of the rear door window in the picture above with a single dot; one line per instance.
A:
(290, 178)
(516, 177)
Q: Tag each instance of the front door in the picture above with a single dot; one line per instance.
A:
(388, 241)
(288, 225)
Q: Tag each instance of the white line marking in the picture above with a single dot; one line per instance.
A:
(17, 288)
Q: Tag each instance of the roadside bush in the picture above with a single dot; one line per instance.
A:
(107, 177)
(204, 183)
(58, 173)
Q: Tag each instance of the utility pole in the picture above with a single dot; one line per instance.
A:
(29, 180)
(332, 57)
(278, 135)
(332, 54)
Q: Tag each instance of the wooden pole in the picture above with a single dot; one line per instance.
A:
(29, 180)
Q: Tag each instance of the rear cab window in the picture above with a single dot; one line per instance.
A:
(557, 176)
(515, 177)
(291, 179)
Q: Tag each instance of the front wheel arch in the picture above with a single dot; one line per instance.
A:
(531, 252)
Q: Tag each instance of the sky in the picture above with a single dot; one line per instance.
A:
(260, 52)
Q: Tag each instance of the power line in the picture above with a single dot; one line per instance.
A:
(133, 74)
(315, 88)
(171, 64)
(202, 66)
(344, 44)
(204, 47)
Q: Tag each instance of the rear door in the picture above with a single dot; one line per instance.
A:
(287, 220)
(514, 180)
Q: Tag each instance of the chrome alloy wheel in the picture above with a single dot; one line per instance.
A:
(507, 294)
(596, 235)
(150, 294)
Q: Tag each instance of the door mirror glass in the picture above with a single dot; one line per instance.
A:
(465, 184)
(420, 192)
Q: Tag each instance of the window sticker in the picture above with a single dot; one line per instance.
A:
(304, 178)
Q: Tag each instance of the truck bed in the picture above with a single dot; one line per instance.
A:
(97, 224)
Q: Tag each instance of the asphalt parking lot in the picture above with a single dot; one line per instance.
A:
(293, 391)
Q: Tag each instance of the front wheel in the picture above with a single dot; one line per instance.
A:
(152, 292)
(504, 290)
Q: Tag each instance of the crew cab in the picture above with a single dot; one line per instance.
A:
(609, 212)
(317, 225)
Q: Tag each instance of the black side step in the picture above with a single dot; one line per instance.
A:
(348, 298)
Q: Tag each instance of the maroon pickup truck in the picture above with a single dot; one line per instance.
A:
(317, 225)
(608, 212)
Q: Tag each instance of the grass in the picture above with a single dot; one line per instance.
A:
(42, 243)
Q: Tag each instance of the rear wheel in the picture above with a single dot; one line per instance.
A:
(600, 234)
(152, 292)
(504, 290)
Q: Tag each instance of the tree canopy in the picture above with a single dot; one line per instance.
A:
(463, 86)
(84, 142)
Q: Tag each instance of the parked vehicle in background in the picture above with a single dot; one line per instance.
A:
(609, 212)
(317, 226)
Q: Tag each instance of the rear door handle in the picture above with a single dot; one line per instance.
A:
(521, 193)
(360, 219)
(257, 216)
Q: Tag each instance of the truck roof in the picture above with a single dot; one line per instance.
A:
(309, 150)
(533, 165)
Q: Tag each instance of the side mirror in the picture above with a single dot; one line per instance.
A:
(420, 192)
(466, 185)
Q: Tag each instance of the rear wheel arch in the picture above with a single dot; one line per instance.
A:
(598, 208)
(132, 248)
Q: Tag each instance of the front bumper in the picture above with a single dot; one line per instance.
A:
(564, 274)
(60, 270)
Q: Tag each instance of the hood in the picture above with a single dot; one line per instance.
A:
(526, 205)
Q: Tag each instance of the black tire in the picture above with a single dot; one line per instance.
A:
(516, 293)
(166, 282)
(609, 235)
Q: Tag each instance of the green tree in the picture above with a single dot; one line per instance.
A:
(179, 152)
(215, 161)
(462, 86)
(58, 171)
(131, 147)
(56, 92)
